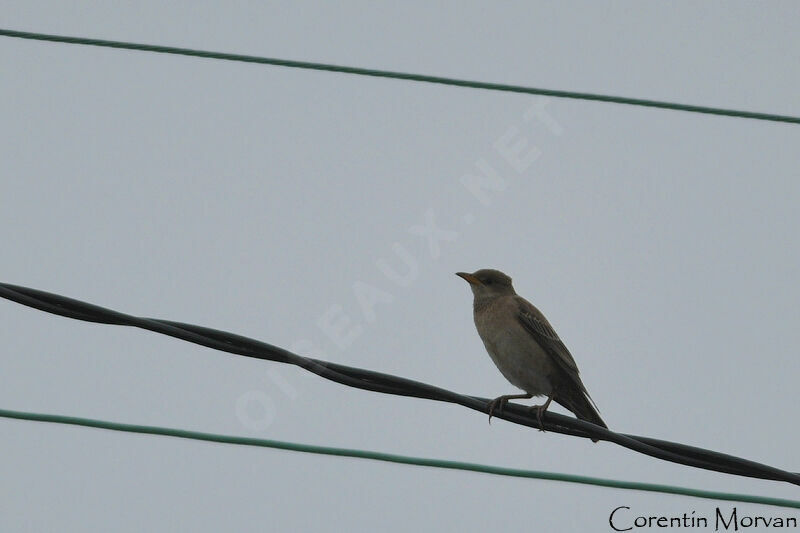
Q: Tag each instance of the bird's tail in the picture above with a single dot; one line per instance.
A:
(579, 403)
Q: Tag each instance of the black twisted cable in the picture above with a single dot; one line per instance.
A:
(389, 384)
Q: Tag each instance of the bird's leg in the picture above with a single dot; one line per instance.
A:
(500, 402)
(540, 409)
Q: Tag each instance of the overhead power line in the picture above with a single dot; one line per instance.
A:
(394, 458)
(389, 384)
(399, 75)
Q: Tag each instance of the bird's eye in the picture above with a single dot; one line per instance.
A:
(487, 281)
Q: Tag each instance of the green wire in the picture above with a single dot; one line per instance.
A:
(402, 459)
(399, 75)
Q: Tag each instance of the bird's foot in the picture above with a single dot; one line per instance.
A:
(500, 402)
(540, 410)
(497, 405)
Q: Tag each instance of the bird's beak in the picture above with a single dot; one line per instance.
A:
(469, 278)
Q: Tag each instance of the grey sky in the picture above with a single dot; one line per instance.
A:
(662, 246)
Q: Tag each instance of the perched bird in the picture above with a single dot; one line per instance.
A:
(526, 348)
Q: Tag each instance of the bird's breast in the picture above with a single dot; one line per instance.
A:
(517, 355)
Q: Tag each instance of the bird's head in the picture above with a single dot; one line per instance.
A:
(488, 282)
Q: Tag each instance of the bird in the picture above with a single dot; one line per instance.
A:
(526, 349)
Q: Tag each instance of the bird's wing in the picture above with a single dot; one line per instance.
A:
(537, 325)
